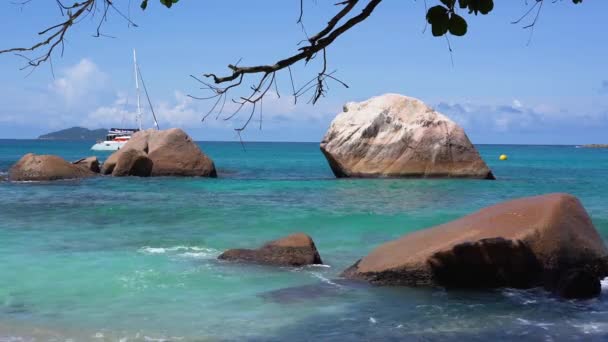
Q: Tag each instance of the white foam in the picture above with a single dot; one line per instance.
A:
(184, 251)
(209, 253)
(604, 283)
(544, 326)
(152, 250)
(591, 327)
(324, 279)
(372, 320)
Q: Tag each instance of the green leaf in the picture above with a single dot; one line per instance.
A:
(457, 25)
(463, 3)
(483, 6)
(486, 6)
(144, 4)
(439, 19)
(168, 3)
(577, 1)
(449, 3)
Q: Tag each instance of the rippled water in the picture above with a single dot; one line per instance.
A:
(134, 259)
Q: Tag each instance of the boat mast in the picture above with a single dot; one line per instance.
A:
(139, 114)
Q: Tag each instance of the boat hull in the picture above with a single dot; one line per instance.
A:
(108, 146)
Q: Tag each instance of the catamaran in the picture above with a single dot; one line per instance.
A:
(118, 137)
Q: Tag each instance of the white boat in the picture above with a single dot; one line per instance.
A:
(118, 137)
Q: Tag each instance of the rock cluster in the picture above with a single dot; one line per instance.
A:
(159, 153)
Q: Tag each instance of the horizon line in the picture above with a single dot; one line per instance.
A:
(299, 142)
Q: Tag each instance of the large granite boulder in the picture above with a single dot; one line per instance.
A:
(398, 136)
(89, 163)
(545, 241)
(172, 153)
(132, 163)
(294, 250)
(32, 167)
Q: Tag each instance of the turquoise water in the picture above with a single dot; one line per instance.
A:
(134, 259)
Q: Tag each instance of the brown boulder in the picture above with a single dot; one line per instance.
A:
(32, 167)
(294, 250)
(524, 243)
(398, 136)
(89, 163)
(172, 152)
(132, 163)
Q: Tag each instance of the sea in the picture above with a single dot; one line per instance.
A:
(134, 259)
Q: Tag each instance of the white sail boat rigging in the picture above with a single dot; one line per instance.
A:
(118, 137)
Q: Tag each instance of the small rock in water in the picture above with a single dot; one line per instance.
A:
(132, 163)
(294, 250)
(89, 163)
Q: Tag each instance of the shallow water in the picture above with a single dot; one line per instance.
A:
(134, 259)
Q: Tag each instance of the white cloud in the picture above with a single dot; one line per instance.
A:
(80, 83)
(517, 103)
(84, 95)
(517, 117)
(115, 115)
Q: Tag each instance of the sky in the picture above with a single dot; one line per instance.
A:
(504, 85)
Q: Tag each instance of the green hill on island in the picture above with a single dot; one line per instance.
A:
(76, 133)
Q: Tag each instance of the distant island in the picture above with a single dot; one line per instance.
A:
(76, 133)
(595, 146)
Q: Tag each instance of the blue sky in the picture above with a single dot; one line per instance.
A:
(552, 91)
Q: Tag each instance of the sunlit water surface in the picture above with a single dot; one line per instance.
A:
(135, 259)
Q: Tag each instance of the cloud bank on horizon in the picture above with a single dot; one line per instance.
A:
(84, 95)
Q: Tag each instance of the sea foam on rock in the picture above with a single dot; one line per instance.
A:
(33, 167)
(171, 152)
(546, 241)
(398, 136)
(294, 250)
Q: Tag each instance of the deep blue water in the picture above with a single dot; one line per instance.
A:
(134, 258)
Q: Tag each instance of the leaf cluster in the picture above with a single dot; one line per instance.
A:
(443, 18)
(167, 3)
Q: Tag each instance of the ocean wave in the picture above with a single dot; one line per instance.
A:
(325, 280)
(195, 252)
(542, 325)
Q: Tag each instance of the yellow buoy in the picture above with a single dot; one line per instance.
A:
(503, 157)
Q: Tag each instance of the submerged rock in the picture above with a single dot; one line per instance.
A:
(89, 163)
(545, 241)
(321, 290)
(398, 136)
(32, 167)
(294, 250)
(171, 152)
